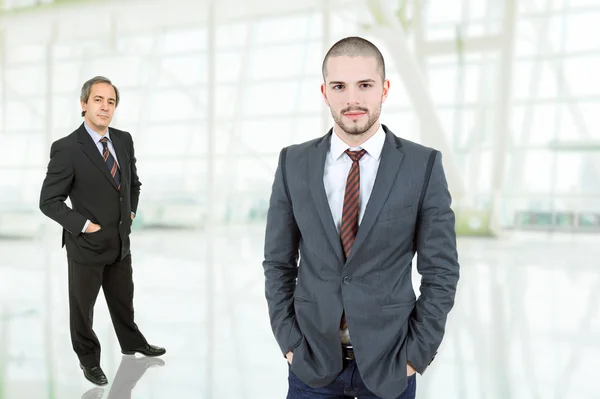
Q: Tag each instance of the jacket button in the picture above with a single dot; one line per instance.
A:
(346, 280)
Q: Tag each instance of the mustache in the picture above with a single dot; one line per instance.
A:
(349, 109)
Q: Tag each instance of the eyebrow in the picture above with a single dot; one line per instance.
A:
(99, 96)
(360, 81)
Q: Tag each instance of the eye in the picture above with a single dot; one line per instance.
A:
(366, 85)
(338, 87)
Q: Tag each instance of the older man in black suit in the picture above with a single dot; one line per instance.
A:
(95, 167)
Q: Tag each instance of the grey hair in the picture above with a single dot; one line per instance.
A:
(86, 89)
(355, 46)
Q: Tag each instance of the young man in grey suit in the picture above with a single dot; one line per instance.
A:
(355, 206)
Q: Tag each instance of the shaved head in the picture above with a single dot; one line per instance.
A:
(355, 47)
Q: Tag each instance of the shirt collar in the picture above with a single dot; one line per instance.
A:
(95, 135)
(373, 146)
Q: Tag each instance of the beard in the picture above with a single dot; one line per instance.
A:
(355, 128)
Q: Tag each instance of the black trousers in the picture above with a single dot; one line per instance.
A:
(116, 280)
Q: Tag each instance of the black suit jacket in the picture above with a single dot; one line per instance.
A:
(78, 171)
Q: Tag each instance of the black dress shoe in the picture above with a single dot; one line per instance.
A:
(95, 375)
(148, 350)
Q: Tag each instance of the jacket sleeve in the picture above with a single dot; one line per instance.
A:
(56, 188)
(135, 180)
(437, 263)
(282, 238)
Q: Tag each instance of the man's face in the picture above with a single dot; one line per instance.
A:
(354, 92)
(100, 106)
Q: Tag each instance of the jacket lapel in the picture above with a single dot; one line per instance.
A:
(316, 170)
(91, 151)
(122, 158)
(391, 158)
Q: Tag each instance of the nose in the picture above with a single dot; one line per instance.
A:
(353, 97)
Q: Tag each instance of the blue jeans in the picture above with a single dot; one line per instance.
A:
(348, 384)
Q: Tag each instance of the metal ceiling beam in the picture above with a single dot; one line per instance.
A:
(481, 44)
(33, 7)
(391, 32)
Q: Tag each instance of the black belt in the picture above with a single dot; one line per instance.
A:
(348, 352)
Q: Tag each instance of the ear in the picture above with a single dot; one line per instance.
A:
(386, 90)
(83, 106)
(324, 93)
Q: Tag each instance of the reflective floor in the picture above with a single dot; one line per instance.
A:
(526, 322)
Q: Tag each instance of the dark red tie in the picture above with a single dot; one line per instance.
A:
(349, 226)
(111, 163)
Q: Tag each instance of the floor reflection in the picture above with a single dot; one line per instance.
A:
(525, 325)
(130, 371)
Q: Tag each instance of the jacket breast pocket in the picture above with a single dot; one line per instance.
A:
(395, 214)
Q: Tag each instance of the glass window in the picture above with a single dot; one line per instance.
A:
(577, 73)
(235, 35)
(270, 98)
(172, 105)
(299, 28)
(535, 79)
(276, 62)
(27, 115)
(182, 40)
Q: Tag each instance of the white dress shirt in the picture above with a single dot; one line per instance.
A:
(97, 137)
(337, 167)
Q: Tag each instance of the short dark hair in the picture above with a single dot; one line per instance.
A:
(86, 89)
(355, 46)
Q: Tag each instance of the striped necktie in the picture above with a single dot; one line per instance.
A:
(349, 226)
(111, 163)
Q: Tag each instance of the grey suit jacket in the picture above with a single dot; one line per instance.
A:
(388, 325)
